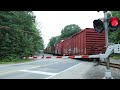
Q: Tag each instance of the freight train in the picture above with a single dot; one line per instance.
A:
(85, 42)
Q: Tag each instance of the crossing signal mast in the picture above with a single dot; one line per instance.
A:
(107, 24)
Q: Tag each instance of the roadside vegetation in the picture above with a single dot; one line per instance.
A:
(19, 36)
(115, 56)
(15, 61)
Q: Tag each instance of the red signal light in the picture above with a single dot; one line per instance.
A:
(113, 23)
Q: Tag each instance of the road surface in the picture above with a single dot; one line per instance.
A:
(46, 69)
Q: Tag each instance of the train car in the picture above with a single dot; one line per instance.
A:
(50, 50)
(67, 47)
(85, 42)
(59, 48)
(45, 50)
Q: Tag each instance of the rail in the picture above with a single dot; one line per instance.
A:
(111, 65)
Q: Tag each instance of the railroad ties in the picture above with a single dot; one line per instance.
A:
(111, 65)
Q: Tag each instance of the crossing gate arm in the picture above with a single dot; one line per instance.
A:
(94, 56)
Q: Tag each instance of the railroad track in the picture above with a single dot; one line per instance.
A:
(111, 65)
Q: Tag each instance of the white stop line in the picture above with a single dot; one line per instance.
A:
(39, 72)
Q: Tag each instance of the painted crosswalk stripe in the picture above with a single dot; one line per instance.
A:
(39, 72)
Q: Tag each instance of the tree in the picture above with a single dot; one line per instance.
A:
(19, 35)
(58, 38)
(52, 41)
(114, 37)
(69, 30)
(65, 33)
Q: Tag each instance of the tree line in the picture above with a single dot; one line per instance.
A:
(19, 35)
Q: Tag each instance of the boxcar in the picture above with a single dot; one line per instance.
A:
(59, 48)
(85, 42)
(50, 50)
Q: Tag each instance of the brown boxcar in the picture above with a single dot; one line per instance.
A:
(67, 46)
(50, 50)
(53, 50)
(59, 48)
(86, 42)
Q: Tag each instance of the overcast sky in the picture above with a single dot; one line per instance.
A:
(52, 22)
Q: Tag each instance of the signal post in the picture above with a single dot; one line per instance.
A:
(108, 74)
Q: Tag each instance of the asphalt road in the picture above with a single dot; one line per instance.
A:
(46, 69)
(39, 69)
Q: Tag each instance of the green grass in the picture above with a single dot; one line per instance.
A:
(16, 61)
(116, 56)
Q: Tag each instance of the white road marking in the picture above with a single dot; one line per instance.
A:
(12, 71)
(63, 71)
(39, 72)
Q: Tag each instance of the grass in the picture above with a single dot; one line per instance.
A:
(16, 61)
(116, 56)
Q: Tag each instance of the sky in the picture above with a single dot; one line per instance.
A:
(50, 23)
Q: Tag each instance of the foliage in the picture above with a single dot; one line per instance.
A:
(65, 33)
(52, 41)
(18, 35)
(69, 30)
(114, 37)
(9, 61)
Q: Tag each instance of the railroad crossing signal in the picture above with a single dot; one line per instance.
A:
(113, 24)
(98, 26)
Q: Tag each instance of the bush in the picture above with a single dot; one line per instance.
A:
(10, 58)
